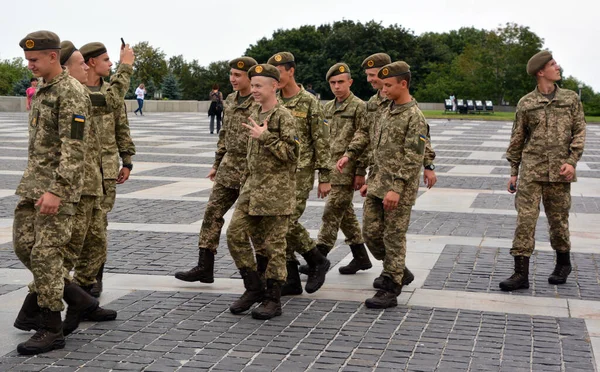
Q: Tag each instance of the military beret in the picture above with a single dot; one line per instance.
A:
(92, 50)
(40, 40)
(376, 60)
(242, 63)
(66, 51)
(281, 58)
(264, 70)
(398, 68)
(538, 61)
(337, 69)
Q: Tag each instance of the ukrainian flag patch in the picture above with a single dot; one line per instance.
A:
(77, 127)
(296, 140)
(79, 118)
(423, 138)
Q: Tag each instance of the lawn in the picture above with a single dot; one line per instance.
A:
(496, 116)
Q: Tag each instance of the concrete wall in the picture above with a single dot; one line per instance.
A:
(17, 104)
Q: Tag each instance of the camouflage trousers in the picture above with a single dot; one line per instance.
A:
(269, 230)
(81, 224)
(556, 197)
(220, 201)
(385, 235)
(40, 242)
(93, 253)
(339, 213)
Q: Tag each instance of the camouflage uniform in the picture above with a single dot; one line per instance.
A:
(230, 163)
(343, 121)
(57, 125)
(546, 134)
(267, 196)
(116, 141)
(92, 193)
(314, 154)
(398, 153)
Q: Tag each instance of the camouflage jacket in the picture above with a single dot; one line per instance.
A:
(57, 129)
(343, 122)
(102, 104)
(272, 160)
(114, 135)
(230, 157)
(312, 132)
(545, 135)
(375, 107)
(398, 151)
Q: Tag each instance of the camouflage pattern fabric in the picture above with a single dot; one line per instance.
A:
(57, 125)
(232, 147)
(81, 224)
(298, 239)
(545, 135)
(339, 214)
(220, 201)
(385, 235)
(40, 242)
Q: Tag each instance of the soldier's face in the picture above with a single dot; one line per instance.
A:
(239, 80)
(101, 65)
(340, 85)
(77, 67)
(551, 71)
(393, 88)
(372, 78)
(262, 88)
(284, 76)
(40, 62)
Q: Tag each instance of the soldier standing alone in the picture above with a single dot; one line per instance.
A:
(547, 141)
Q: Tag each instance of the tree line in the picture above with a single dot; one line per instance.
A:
(469, 63)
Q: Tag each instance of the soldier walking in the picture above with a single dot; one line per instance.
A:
(546, 143)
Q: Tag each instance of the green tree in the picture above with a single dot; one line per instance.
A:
(170, 87)
(11, 72)
(150, 67)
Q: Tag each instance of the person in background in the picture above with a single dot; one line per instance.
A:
(140, 92)
(216, 108)
(310, 90)
(31, 91)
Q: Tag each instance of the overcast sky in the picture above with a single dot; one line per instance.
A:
(222, 30)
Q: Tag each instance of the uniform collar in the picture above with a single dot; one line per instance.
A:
(398, 109)
(247, 103)
(542, 99)
(58, 78)
(292, 101)
(344, 102)
(380, 99)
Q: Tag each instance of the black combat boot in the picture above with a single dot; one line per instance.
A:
(293, 285)
(271, 305)
(204, 272)
(80, 304)
(360, 260)
(29, 316)
(96, 289)
(520, 279)
(386, 296)
(261, 266)
(562, 269)
(318, 265)
(407, 278)
(253, 294)
(47, 338)
(305, 269)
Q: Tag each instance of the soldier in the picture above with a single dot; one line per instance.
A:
(344, 115)
(314, 154)
(267, 196)
(376, 105)
(51, 184)
(547, 141)
(92, 192)
(398, 152)
(116, 141)
(227, 172)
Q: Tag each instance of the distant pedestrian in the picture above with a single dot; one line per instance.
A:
(453, 101)
(310, 90)
(31, 91)
(140, 92)
(216, 108)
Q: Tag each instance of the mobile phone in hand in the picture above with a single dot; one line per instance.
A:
(122, 43)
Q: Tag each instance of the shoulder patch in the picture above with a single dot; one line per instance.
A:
(77, 127)
(98, 99)
(299, 114)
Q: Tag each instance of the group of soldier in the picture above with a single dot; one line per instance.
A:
(275, 136)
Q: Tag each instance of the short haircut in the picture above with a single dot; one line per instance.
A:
(215, 86)
(289, 65)
(32, 80)
(404, 77)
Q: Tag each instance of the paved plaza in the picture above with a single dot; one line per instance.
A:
(453, 317)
